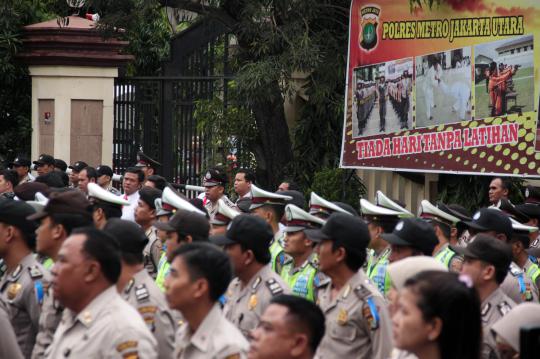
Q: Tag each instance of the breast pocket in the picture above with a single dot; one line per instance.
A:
(344, 333)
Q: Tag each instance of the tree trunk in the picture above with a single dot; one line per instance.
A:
(275, 141)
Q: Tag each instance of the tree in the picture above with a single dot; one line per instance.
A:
(15, 92)
(276, 40)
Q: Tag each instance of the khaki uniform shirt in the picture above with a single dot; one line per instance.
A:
(107, 328)
(51, 314)
(212, 207)
(144, 295)
(8, 341)
(245, 305)
(493, 308)
(152, 252)
(216, 338)
(358, 324)
(402, 354)
(518, 286)
(23, 292)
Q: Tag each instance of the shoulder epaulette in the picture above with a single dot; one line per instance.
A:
(35, 272)
(141, 293)
(274, 287)
(362, 292)
(323, 281)
(504, 308)
(515, 271)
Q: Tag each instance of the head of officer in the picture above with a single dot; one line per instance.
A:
(291, 327)
(486, 261)
(342, 243)
(17, 237)
(63, 213)
(88, 263)
(411, 237)
(199, 275)
(184, 227)
(493, 222)
(247, 243)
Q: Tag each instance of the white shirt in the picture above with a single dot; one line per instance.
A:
(128, 212)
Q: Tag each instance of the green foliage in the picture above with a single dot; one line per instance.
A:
(335, 184)
(15, 96)
(144, 24)
(229, 130)
(472, 191)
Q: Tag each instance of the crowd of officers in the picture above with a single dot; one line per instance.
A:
(87, 272)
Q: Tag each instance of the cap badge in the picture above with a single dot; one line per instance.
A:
(476, 216)
(17, 160)
(527, 193)
(399, 226)
(208, 175)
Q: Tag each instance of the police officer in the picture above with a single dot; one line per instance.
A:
(132, 183)
(380, 220)
(62, 213)
(293, 328)
(8, 181)
(517, 285)
(459, 235)
(411, 237)
(533, 212)
(145, 216)
(357, 320)
(138, 288)
(44, 164)
(97, 322)
(76, 168)
(322, 208)
(206, 333)
(508, 329)
(22, 286)
(8, 341)
(271, 207)
(224, 216)
(246, 242)
(105, 205)
(487, 261)
(301, 269)
(105, 175)
(215, 182)
(191, 223)
(22, 167)
(148, 165)
(520, 244)
(442, 223)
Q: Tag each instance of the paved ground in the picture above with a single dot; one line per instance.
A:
(373, 123)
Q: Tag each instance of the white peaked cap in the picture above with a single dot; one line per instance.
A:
(260, 197)
(383, 201)
(406, 268)
(171, 198)
(297, 219)
(100, 193)
(160, 211)
(426, 208)
(522, 315)
(224, 214)
(369, 209)
(516, 226)
(318, 204)
(39, 202)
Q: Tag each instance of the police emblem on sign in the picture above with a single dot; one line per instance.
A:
(368, 27)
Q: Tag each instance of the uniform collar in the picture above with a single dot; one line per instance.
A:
(203, 334)
(88, 315)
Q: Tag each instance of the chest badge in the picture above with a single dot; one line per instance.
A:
(252, 302)
(12, 290)
(343, 317)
